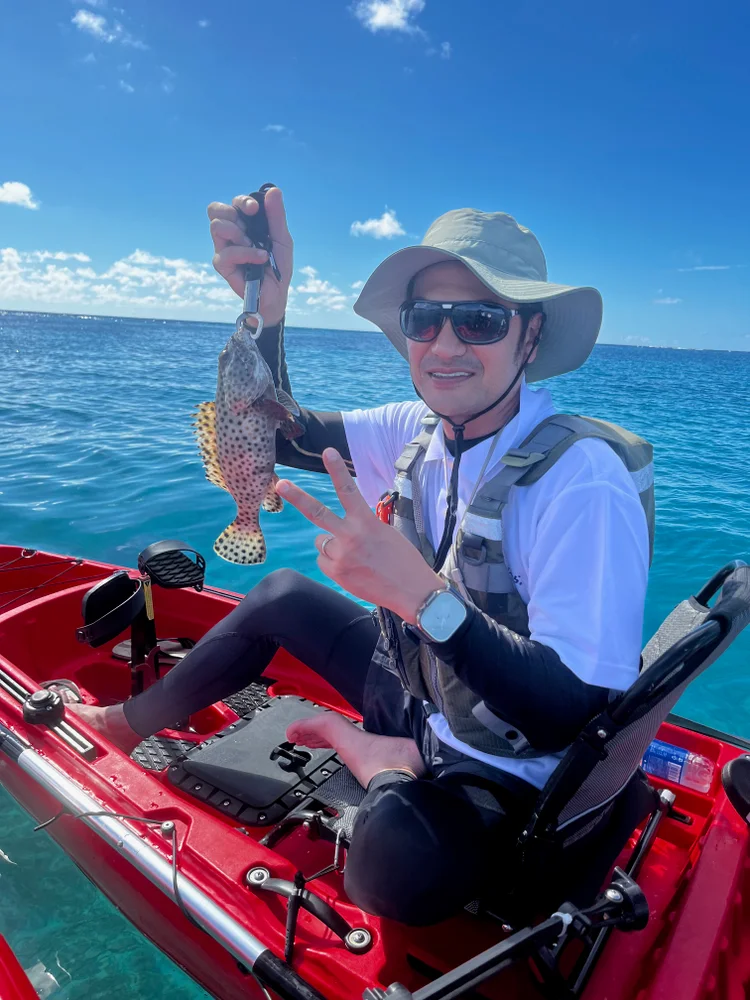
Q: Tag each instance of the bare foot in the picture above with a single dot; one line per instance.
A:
(110, 722)
(365, 754)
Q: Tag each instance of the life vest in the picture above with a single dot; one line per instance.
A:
(476, 566)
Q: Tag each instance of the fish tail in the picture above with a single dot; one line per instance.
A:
(241, 543)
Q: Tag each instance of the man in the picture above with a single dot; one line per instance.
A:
(510, 606)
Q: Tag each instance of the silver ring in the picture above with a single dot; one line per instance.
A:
(324, 543)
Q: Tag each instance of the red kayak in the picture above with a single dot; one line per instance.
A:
(224, 844)
(14, 983)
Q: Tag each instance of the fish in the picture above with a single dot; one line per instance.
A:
(236, 435)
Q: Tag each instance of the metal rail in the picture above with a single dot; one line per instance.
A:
(223, 928)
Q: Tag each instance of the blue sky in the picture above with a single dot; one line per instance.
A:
(618, 133)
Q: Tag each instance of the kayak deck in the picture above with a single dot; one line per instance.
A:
(695, 877)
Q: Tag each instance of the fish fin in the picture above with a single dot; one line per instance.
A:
(288, 425)
(241, 544)
(205, 433)
(286, 400)
(272, 502)
(273, 408)
(291, 428)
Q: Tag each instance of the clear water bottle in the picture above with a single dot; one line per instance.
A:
(683, 767)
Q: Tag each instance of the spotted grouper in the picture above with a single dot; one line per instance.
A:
(237, 439)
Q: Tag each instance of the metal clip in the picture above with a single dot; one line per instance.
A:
(274, 266)
(250, 309)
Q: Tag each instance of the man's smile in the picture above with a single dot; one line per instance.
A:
(450, 376)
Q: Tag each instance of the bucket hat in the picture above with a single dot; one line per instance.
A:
(508, 259)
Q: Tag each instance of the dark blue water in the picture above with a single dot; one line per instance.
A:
(97, 459)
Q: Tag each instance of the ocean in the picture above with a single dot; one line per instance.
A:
(97, 459)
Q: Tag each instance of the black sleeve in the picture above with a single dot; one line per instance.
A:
(320, 429)
(523, 681)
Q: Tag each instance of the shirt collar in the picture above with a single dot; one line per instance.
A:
(534, 406)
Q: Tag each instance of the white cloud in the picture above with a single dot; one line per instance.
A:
(320, 293)
(638, 341)
(167, 84)
(444, 51)
(666, 302)
(42, 255)
(707, 267)
(16, 193)
(88, 59)
(386, 227)
(103, 31)
(390, 15)
(276, 128)
(142, 284)
(125, 86)
(203, 23)
(357, 284)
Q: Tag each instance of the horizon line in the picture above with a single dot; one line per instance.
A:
(327, 329)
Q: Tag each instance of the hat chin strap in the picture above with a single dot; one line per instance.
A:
(458, 432)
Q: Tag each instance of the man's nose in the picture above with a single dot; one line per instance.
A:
(447, 344)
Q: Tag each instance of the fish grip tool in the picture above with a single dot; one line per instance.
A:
(256, 227)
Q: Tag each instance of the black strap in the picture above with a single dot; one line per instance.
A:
(458, 430)
(116, 620)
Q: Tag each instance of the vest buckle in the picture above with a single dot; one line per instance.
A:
(384, 508)
(474, 549)
(519, 458)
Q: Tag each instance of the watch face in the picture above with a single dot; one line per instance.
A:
(442, 616)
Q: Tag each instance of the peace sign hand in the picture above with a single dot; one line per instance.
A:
(363, 555)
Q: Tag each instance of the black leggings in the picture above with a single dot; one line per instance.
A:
(420, 849)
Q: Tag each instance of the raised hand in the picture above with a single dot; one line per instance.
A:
(363, 555)
(233, 249)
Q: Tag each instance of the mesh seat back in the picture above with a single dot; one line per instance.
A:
(626, 748)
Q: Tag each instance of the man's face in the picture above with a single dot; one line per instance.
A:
(454, 378)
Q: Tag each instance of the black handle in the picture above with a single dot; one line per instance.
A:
(256, 226)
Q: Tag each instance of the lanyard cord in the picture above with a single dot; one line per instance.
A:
(451, 498)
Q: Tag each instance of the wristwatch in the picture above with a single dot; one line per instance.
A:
(441, 615)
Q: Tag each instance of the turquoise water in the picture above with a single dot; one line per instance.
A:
(97, 459)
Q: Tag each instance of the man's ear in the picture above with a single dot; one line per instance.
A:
(534, 334)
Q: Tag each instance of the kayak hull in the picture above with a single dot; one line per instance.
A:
(695, 876)
(14, 983)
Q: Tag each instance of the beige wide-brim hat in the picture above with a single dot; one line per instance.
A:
(508, 259)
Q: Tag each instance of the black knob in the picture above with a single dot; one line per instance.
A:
(44, 707)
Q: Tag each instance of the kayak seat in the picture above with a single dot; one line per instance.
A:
(598, 795)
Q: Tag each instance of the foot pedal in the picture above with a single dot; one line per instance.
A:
(176, 649)
(169, 565)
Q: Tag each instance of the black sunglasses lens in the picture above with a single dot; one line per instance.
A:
(421, 321)
(480, 324)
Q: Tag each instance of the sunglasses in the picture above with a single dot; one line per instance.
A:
(473, 322)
